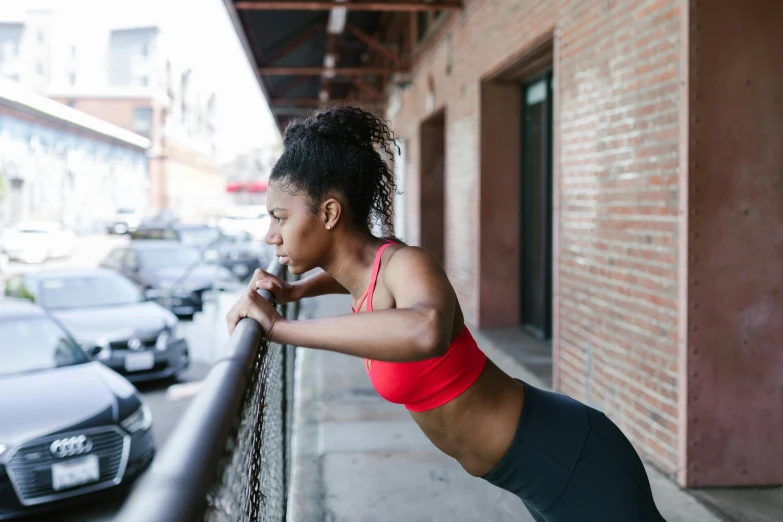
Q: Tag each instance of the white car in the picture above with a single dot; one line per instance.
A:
(37, 241)
(125, 220)
(253, 220)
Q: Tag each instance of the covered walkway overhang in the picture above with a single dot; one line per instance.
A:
(307, 53)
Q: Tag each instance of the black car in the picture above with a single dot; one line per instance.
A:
(235, 251)
(69, 426)
(174, 275)
(111, 320)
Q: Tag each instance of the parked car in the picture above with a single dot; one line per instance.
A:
(235, 250)
(170, 273)
(125, 220)
(37, 241)
(253, 219)
(3, 254)
(69, 426)
(111, 320)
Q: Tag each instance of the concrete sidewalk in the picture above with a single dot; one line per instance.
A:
(358, 458)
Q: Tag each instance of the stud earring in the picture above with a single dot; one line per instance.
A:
(328, 227)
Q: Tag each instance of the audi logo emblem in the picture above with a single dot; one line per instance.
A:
(135, 344)
(71, 446)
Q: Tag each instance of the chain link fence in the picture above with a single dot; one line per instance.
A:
(253, 474)
(229, 457)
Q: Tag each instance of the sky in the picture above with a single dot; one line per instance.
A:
(203, 36)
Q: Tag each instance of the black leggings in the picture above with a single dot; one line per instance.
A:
(569, 463)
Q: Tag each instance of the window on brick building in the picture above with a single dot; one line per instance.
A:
(142, 121)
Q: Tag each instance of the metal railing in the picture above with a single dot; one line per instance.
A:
(228, 458)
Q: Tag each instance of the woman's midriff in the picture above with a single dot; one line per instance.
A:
(477, 427)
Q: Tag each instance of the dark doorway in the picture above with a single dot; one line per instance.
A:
(536, 212)
(433, 157)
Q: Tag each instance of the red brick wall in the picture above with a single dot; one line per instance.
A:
(617, 77)
(619, 74)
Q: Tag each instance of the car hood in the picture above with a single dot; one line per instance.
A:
(115, 323)
(63, 399)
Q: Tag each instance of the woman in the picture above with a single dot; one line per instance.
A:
(566, 461)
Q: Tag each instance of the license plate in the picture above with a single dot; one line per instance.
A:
(75, 472)
(136, 362)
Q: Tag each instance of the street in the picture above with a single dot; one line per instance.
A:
(167, 400)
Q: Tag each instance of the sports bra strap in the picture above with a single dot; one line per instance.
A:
(373, 280)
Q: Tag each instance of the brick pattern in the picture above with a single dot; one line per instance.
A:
(619, 134)
(617, 79)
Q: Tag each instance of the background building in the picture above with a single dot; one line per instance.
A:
(59, 164)
(602, 182)
(131, 76)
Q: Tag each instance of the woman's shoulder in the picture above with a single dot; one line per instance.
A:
(405, 261)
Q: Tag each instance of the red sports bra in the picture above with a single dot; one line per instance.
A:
(423, 385)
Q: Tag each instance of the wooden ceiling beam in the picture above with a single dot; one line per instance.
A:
(293, 44)
(375, 44)
(291, 85)
(318, 71)
(324, 5)
(306, 103)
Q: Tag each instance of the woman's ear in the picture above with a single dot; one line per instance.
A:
(331, 212)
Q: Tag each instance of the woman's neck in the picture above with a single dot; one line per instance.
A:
(351, 261)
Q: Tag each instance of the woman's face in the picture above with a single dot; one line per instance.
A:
(298, 235)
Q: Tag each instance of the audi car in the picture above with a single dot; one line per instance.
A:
(170, 273)
(111, 320)
(69, 426)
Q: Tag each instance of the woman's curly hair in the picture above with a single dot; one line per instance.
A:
(341, 149)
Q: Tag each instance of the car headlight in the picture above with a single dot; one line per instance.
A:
(99, 350)
(163, 341)
(174, 333)
(140, 419)
(177, 332)
(165, 285)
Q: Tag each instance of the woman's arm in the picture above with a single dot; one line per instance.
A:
(317, 284)
(418, 328)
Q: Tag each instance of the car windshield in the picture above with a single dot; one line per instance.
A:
(174, 257)
(198, 237)
(87, 292)
(34, 344)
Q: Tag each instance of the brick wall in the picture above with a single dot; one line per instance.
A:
(617, 71)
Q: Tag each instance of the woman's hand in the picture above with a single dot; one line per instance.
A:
(252, 305)
(283, 291)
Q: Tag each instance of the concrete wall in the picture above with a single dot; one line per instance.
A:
(183, 176)
(65, 172)
(734, 285)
